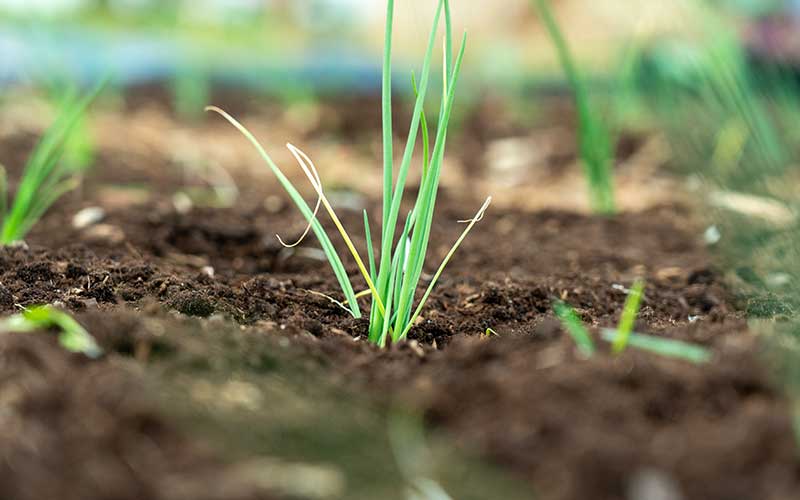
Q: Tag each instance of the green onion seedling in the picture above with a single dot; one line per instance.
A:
(629, 313)
(45, 177)
(593, 135)
(664, 347)
(72, 337)
(622, 337)
(393, 269)
(190, 91)
(574, 326)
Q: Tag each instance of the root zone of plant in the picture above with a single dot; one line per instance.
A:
(523, 400)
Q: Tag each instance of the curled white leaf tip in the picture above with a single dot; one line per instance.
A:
(218, 110)
(478, 216)
(308, 167)
(313, 176)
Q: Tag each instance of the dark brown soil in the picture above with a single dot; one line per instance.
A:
(76, 429)
(571, 428)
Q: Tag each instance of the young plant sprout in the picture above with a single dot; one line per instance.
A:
(72, 337)
(668, 348)
(191, 89)
(45, 177)
(629, 313)
(574, 326)
(593, 135)
(79, 148)
(623, 336)
(392, 273)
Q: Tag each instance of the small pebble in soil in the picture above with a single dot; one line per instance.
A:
(88, 216)
(273, 204)
(712, 235)
(104, 233)
(652, 484)
(192, 303)
(182, 203)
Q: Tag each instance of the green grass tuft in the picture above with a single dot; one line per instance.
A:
(574, 326)
(629, 313)
(663, 347)
(393, 272)
(46, 176)
(595, 143)
(624, 337)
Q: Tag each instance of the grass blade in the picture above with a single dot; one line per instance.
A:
(426, 144)
(370, 249)
(386, 116)
(574, 326)
(478, 217)
(594, 137)
(42, 176)
(403, 252)
(72, 336)
(391, 222)
(424, 206)
(664, 347)
(387, 314)
(311, 173)
(448, 41)
(322, 237)
(395, 280)
(629, 313)
(45, 201)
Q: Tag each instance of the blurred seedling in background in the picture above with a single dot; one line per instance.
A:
(732, 125)
(191, 91)
(60, 88)
(79, 148)
(393, 279)
(72, 336)
(46, 176)
(413, 458)
(594, 136)
(629, 312)
(490, 333)
(731, 120)
(623, 336)
(668, 348)
(206, 183)
(574, 326)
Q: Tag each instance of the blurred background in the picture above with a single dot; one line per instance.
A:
(335, 40)
(314, 66)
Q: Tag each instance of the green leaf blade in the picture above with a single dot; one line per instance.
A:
(663, 346)
(629, 313)
(574, 326)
